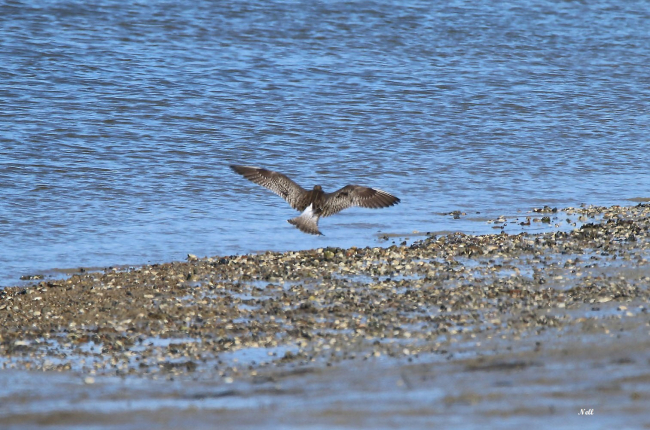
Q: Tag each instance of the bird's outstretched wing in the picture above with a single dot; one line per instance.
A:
(276, 182)
(356, 195)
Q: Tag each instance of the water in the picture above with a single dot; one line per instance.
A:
(118, 121)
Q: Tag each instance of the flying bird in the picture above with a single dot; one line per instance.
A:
(315, 203)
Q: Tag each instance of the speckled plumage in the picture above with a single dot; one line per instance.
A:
(315, 203)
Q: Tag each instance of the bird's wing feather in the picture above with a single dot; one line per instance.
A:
(356, 195)
(274, 181)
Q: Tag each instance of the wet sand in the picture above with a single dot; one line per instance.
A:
(451, 331)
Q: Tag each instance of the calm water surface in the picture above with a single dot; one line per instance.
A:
(118, 120)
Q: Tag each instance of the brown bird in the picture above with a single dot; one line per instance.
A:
(315, 203)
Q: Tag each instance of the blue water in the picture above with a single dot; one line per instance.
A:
(118, 120)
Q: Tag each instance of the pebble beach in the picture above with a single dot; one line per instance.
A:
(512, 327)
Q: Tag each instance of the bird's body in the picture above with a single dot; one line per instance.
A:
(315, 203)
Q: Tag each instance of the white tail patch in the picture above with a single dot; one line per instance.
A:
(307, 221)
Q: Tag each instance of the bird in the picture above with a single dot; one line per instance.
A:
(315, 203)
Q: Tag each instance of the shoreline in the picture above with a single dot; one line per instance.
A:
(453, 300)
(531, 222)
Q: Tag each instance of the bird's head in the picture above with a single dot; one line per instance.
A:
(318, 188)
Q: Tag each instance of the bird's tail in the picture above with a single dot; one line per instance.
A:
(307, 222)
